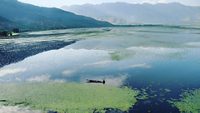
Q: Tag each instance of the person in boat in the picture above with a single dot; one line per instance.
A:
(96, 81)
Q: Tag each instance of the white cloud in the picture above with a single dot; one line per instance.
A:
(9, 71)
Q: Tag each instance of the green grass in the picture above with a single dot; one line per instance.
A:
(67, 97)
(189, 103)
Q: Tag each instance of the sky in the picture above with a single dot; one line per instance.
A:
(60, 3)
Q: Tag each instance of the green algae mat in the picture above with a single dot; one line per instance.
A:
(66, 97)
(189, 103)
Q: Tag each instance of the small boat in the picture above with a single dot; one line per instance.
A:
(96, 81)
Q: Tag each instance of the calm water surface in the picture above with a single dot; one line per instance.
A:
(160, 61)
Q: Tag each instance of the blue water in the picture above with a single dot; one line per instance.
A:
(163, 61)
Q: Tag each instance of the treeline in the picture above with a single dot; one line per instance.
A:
(7, 33)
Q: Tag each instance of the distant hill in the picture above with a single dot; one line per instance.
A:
(6, 24)
(124, 13)
(30, 17)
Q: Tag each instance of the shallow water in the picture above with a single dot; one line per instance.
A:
(161, 61)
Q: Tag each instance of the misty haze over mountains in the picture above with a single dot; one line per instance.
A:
(125, 13)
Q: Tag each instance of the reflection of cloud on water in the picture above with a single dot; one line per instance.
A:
(116, 81)
(5, 72)
(68, 73)
(44, 78)
(193, 44)
(136, 66)
(156, 50)
(159, 52)
(143, 65)
(12, 109)
(99, 63)
(146, 52)
(52, 62)
(41, 78)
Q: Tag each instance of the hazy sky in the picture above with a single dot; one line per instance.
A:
(59, 3)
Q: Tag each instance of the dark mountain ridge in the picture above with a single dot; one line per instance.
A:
(30, 17)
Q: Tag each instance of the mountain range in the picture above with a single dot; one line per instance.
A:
(5, 23)
(29, 17)
(125, 13)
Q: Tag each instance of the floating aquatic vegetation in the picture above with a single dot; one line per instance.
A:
(167, 90)
(143, 95)
(120, 55)
(189, 103)
(67, 97)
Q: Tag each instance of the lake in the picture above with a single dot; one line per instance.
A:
(160, 61)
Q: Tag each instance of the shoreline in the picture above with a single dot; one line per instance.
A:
(10, 53)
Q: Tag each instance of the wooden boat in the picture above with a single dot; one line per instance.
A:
(96, 81)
